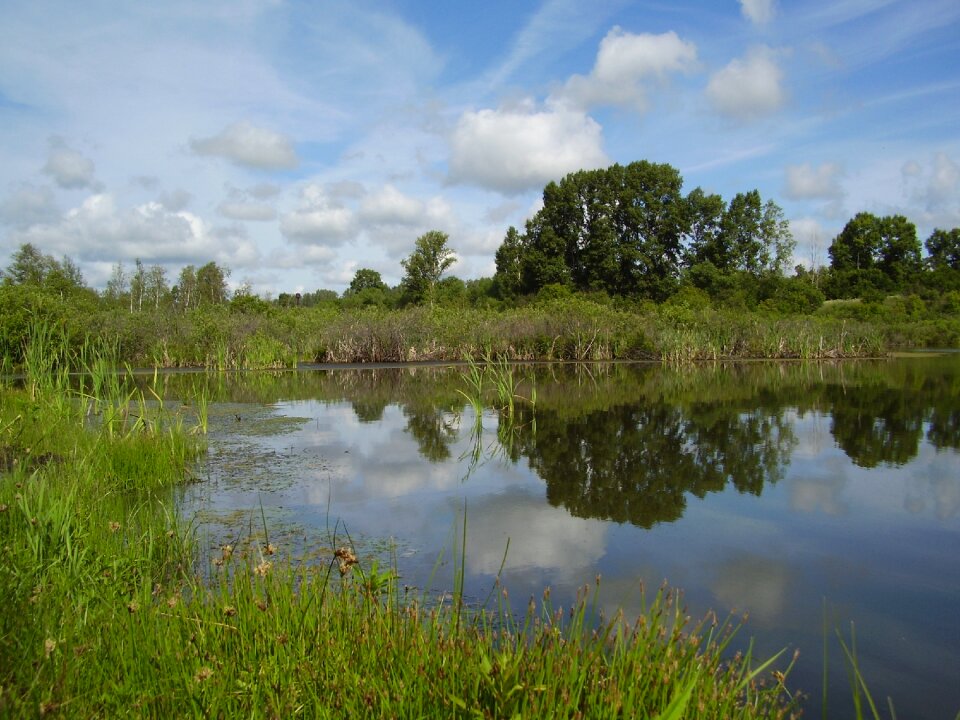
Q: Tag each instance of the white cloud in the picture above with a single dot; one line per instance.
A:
(944, 181)
(254, 212)
(391, 207)
(28, 205)
(69, 169)
(512, 150)
(748, 88)
(97, 230)
(318, 219)
(759, 12)
(250, 146)
(812, 243)
(248, 204)
(933, 188)
(624, 63)
(807, 182)
(388, 207)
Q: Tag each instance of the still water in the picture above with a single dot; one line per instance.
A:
(799, 493)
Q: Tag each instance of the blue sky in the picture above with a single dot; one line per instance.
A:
(295, 142)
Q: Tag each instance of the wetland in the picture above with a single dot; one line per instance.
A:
(808, 495)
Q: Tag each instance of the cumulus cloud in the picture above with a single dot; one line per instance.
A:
(319, 219)
(805, 182)
(28, 205)
(394, 219)
(759, 12)
(624, 64)
(512, 150)
(69, 169)
(97, 230)
(934, 189)
(249, 146)
(748, 88)
(389, 206)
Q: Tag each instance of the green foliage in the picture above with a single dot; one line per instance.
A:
(365, 279)
(793, 296)
(882, 254)
(425, 265)
(508, 279)
(212, 284)
(628, 231)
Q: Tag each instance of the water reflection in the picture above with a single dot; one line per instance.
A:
(638, 463)
(769, 488)
(633, 443)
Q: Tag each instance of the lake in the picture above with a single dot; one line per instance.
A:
(803, 494)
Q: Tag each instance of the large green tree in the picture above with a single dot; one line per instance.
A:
(617, 230)
(649, 221)
(365, 279)
(430, 258)
(873, 254)
(31, 266)
(212, 284)
(943, 247)
(508, 280)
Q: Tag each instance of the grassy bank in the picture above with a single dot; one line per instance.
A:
(106, 613)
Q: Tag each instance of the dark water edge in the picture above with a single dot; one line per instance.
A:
(785, 490)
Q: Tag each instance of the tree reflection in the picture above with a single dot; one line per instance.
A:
(628, 442)
(433, 430)
(636, 463)
(877, 425)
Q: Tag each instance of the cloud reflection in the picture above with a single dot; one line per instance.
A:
(542, 538)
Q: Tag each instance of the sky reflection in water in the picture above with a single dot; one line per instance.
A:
(771, 489)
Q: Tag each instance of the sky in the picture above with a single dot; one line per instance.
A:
(297, 142)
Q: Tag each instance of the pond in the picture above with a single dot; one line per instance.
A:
(807, 495)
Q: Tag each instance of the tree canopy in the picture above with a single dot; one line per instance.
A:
(874, 254)
(629, 231)
(426, 264)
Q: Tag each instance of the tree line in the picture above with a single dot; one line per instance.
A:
(629, 231)
(625, 232)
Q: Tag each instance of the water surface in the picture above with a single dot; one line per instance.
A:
(783, 490)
